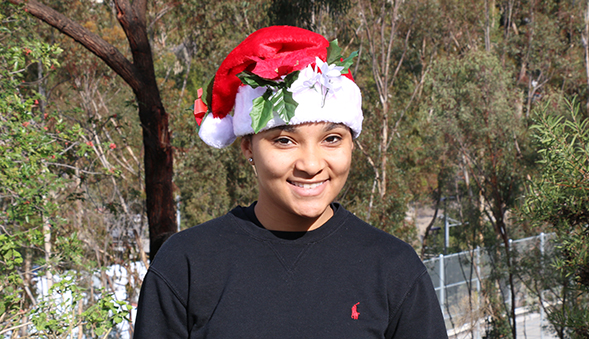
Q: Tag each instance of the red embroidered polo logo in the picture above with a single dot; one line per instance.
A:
(355, 313)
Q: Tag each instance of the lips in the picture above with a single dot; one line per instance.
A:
(307, 185)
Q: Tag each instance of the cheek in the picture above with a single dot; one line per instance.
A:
(342, 163)
(267, 163)
(275, 167)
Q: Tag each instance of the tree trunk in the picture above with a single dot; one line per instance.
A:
(158, 161)
(381, 35)
(140, 75)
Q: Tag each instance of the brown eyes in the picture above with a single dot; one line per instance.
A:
(333, 139)
(284, 141)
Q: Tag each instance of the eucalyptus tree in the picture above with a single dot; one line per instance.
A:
(477, 127)
(139, 74)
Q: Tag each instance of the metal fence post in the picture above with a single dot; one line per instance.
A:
(446, 231)
(510, 286)
(542, 242)
(478, 267)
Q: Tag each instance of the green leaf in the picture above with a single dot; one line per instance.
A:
(278, 103)
(334, 52)
(348, 62)
(261, 111)
(290, 79)
(255, 81)
(207, 92)
(284, 104)
(334, 56)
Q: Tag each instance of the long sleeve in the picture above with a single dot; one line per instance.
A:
(420, 315)
(160, 313)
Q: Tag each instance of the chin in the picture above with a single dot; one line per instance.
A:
(311, 212)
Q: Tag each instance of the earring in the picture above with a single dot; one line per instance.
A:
(251, 160)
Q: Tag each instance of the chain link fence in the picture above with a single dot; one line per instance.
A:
(459, 280)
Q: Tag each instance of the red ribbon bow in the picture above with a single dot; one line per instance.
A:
(200, 109)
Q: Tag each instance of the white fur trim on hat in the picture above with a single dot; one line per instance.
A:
(217, 132)
(341, 104)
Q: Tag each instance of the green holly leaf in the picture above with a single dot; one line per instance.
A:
(207, 92)
(262, 111)
(284, 104)
(348, 62)
(334, 53)
(255, 81)
(334, 56)
(291, 106)
(279, 104)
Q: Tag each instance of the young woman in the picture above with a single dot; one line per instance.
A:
(294, 264)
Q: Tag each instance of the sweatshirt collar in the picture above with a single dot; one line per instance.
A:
(253, 226)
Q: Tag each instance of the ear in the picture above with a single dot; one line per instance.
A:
(246, 146)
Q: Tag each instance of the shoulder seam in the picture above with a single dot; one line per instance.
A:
(412, 287)
(161, 276)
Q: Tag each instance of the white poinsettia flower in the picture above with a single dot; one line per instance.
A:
(322, 74)
(329, 71)
(329, 77)
(309, 77)
(323, 79)
(306, 80)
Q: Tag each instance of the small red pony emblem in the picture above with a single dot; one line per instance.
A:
(355, 313)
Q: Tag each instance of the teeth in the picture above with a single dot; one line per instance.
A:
(308, 186)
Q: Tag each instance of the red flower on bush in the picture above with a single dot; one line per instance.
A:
(112, 146)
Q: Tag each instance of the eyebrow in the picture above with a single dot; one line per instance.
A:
(333, 125)
(286, 128)
(327, 128)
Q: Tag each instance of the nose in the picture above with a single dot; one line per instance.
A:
(310, 162)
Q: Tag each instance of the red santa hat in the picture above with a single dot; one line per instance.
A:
(278, 75)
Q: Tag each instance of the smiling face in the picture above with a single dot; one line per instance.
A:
(300, 169)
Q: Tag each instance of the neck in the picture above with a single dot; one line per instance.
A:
(274, 220)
